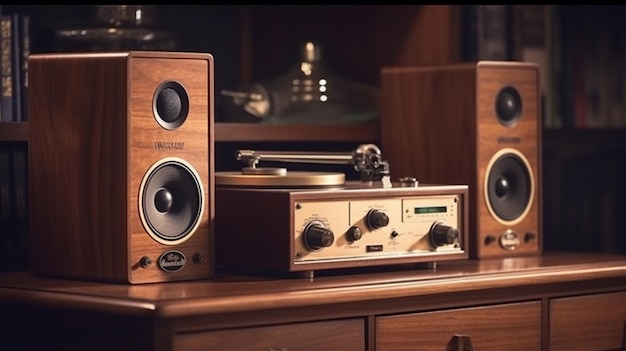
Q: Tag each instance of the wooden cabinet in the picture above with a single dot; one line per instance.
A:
(588, 322)
(495, 327)
(554, 301)
(342, 335)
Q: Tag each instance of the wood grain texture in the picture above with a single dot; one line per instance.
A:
(438, 124)
(525, 276)
(496, 294)
(593, 322)
(496, 327)
(92, 137)
(344, 335)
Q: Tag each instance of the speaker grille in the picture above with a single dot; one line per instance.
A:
(171, 201)
(509, 186)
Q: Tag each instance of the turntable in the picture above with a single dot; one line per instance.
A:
(274, 220)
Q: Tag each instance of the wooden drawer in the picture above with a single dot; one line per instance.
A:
(498, 327)
(344, 335)
(587, 323)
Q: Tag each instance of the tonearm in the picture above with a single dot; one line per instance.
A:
(366, 159)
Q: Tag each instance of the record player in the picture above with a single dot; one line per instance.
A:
(296, 222)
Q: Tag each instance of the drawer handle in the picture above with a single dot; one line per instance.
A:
(277, 349)
(460, 343)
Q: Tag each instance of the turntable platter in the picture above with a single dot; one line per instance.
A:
(287, 180)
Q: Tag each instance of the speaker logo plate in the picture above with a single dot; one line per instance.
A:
(172, 261)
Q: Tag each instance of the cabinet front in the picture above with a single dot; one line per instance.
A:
(588, 323)
(497, 327)
(344, 335)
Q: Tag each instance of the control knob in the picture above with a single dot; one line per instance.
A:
(317, 236)
(443, 234)
(377, 219)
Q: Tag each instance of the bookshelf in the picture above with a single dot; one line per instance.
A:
(257, 43)
(231, 132)
(13, 131)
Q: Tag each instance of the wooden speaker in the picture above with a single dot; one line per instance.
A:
(122, 166)
(476, 124)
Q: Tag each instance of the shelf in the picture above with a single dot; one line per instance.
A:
(231, 132)
(13, 131)
(296, 133)
(568, 136)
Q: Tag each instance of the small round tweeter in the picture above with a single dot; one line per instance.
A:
(170, 105)
(508, 106)
(171, 201)
(509, 186)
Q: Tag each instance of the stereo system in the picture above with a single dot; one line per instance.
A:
(270, 220)
(477, 124)
(123, 187)
(122, 166)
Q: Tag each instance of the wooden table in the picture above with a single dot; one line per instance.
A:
(555, 301)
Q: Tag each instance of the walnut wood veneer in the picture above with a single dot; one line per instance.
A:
(553, 301)
(441, 125)
(93, 139)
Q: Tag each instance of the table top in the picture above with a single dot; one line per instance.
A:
(227, 293)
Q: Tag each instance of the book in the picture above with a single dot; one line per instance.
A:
(532, 36)
(24, 40)
(6, 71)
(486, 32)
(16, 72)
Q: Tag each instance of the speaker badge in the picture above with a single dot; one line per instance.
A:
(172, 261)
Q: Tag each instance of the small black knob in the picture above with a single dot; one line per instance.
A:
(145, 261)
(197, 258)
(377, 219)
(317, 236)
(443, 234)
(354, 233)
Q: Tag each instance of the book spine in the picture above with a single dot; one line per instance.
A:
(24, 37)
(486, 32)
(493, 37)
(6, 98)
(532, 40)
(16, 71)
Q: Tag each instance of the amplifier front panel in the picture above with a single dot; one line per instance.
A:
(341, 230)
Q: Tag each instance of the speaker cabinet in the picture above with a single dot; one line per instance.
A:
(122, 166)
(476, 124)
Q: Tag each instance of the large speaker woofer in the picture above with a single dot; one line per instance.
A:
(171, 201)
(170, 105)
(509, 186)
(508, 105)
